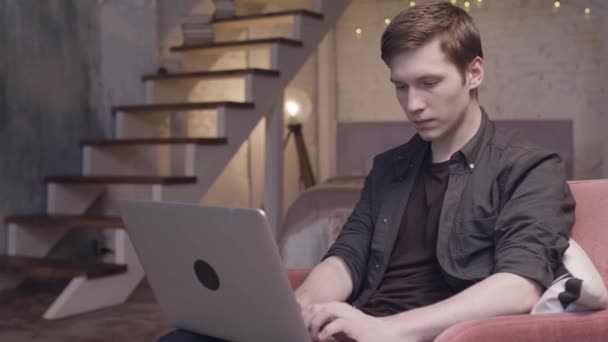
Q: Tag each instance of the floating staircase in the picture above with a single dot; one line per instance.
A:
(158, 152)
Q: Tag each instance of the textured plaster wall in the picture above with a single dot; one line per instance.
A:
(48, 63)
(303, 90)
(541, 63)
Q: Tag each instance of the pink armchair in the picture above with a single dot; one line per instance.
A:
(591, 232)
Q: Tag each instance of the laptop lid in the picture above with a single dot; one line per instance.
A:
(215, 271)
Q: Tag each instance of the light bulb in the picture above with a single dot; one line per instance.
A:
(387, 21)
(293, 108)
(557, 4)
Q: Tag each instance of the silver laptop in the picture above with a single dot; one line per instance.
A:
(215, 271)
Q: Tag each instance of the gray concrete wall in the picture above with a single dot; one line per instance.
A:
(49, 57)
(64, 63)
(170, 15)
(127, 50)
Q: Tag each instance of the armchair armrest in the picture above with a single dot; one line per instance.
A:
(566, 327)
(563, 327)
(297, 276)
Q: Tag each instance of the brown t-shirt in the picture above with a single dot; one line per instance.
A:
(413, 277)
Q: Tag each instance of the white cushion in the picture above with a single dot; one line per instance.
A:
(581, 290)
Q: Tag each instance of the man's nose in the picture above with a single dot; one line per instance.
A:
(415, 102)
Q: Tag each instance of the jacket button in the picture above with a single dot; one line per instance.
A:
(377, 266)
(385, 220)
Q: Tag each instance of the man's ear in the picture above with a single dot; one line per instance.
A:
(476, 73)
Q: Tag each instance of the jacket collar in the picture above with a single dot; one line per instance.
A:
(406, 154)
(471, 151)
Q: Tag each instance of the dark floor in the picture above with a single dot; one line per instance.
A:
(21, 310)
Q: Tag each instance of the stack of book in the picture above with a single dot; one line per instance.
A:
(224, 9)
(197, 29)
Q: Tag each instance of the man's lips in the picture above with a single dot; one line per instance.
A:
(424, 123)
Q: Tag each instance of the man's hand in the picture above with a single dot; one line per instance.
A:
(331, 321)
(303, 301)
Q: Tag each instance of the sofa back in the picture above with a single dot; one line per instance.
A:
(591, 222)
(354, 158)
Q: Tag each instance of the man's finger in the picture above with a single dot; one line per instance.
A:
(307, 315)
(333, 328)
(303, 302)
(342, 310)
(320, 318)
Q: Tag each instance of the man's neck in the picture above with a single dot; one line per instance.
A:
(453, 142)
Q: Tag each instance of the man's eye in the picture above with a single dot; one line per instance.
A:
(400, 86)
(429, 84)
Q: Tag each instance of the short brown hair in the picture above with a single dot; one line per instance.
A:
(418, 25)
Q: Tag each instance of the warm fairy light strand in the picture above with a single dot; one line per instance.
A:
(466, 4)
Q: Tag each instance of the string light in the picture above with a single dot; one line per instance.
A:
(466, 4)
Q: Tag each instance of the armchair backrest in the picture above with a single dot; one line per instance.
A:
(591, 222)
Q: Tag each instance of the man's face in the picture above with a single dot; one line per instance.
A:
(431, 91)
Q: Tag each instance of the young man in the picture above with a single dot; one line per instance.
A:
(462, 222)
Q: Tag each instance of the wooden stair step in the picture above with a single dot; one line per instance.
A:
(182, 106)
(112, 179)
(46, 268)
(274, 2)
(66, 221)
(305, 12)
(238, 44)
(155, 141)
(211, 74)
(270, 18)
